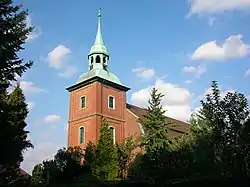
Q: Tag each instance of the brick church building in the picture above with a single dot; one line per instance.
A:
(99, 94)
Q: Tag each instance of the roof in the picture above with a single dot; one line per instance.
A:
(99, 73)
(99, 79)
(23, 173)
(178, 126)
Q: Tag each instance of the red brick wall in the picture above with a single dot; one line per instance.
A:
(132, 128)
(131, 125)
(90, 117)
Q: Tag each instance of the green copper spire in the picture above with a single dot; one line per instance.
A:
(98, 63)
(99, 46)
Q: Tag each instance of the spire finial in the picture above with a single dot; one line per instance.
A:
(99, 34)
(99, 13)
(99, 44)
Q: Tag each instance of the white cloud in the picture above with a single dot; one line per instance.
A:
(35, 33)
(223, 92)
(42, 151)
(195, 70)
(247, 72)
(57, 55)
(213, 6)
(45, 134)
(51, 118)
(144, 73)
(175, 101)
(248, 97)
(233, 47)
(188, 81)
(31, 105)
(29, 87)
(57, 59)
(69, 72)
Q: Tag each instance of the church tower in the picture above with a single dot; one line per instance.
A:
(96, 95)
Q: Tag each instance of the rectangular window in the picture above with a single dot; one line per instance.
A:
(83, 102)
(111, 103)
(81, 135)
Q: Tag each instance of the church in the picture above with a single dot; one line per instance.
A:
(99, 94)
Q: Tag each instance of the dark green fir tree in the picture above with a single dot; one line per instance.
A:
(105, 165)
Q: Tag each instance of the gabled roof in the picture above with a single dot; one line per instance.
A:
(23, 173)
(178, 126)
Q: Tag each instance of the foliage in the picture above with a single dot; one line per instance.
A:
(105, 165)
(156, 127)
(68, 163)
(13, 136)
(37, 175)
(153, 165)
(90, 154)
(13, 34)
(216, 147)
(63, 169)
(13, 109)
(224, 119)
(125, 155)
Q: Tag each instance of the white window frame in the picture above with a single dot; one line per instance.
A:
(113, 133)
(81, 102)
(79, 135)
(113, 102)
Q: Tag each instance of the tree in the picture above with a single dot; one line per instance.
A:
(153, 165)
(156, 127)
(13, 34)
(13, 136)
(245, 147)
(63, 169)
(125, 155)
(90, 154)
(221, 120)
(38, 175)
(105, 165)
(66, 165)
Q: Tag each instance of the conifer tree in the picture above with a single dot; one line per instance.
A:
(90, 154)
(13, 136)
(154, 165)
(13, 34)
(156, 127)
(105, 165)
(125, 155)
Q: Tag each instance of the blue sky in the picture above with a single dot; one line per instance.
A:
(177, 46)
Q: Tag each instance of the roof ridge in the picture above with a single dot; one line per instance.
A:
(164, 115)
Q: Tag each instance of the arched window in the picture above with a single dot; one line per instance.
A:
(111, 102)
(83, 101)
(92, 60)
(112, 129)
(81, 135)
(97, 59)
(104, 60)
